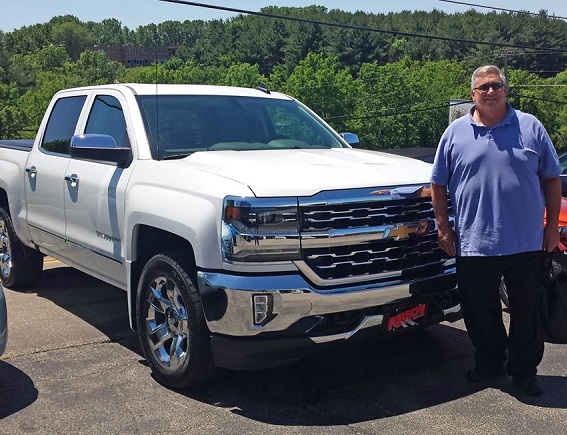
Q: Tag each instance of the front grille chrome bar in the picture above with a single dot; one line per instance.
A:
(376, 233)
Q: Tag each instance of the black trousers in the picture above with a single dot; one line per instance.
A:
(479, 281)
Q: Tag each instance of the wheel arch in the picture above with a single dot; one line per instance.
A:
(3, 198)
(147, 242)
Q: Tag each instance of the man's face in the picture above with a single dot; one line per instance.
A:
(489, 91)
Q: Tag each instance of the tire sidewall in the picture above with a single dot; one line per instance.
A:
(171, 267)
(16, 252)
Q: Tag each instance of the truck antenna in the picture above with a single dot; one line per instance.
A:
(262, 87)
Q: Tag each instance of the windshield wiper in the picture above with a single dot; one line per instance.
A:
(176, 156)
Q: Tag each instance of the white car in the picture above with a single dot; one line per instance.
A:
(3, 322)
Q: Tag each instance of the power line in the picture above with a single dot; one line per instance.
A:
(538, 86)
(352, 27)
(385, 113)
(500, 9)
(398, 113)
(411, 110)
(531, 97)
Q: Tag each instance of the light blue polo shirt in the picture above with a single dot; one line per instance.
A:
(494, 179)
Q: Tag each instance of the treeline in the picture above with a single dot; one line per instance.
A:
(387, 77)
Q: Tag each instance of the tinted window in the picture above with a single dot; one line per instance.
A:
(107, 117)
(62, 123)
(178, 125)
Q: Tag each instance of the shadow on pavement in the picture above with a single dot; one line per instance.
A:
(17, 390)
(347, 385)
(99, 304)
(366, 383)
(358, 383)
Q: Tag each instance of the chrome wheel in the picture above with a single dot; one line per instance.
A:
(167, 323)
(171, 322)
(20, 266)
(5, 255)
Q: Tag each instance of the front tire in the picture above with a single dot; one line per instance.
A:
(20, 266)
(171, 323)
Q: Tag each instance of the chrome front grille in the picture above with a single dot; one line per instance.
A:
(318, 218)
(375, 234)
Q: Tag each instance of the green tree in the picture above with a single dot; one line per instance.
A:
(406, 103)
(108, 32)
(542, 98)
(242, 74)
(94, 68)
(49, 58)
(12, 120)
(27, 39)
(75, 37)
(559, 133)
(325, 86)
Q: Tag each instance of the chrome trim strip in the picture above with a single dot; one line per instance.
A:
(333, 197)
(67, 241)
(452, 310)
(351, 236)
(320, 282)
(367, 322)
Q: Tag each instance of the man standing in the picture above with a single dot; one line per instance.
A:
(502, 172)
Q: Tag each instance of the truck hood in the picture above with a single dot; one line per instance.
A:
(305, 172)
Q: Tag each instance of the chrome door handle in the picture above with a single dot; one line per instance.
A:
(72, 179)
(32, 170)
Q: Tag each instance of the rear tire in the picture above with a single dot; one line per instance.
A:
(171, 323)
(20, 266)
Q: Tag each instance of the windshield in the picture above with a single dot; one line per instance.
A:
(178, 125)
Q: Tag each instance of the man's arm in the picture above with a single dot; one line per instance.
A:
(446, 235)
(552, 192)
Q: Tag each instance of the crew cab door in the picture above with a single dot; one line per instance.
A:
(45, 172)
(94, 195)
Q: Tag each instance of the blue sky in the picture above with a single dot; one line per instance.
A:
(133, 13)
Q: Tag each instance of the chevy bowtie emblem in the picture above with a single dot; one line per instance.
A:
(400, 232)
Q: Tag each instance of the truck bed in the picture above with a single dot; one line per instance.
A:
(17, 144)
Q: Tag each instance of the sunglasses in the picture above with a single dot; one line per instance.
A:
(496, 86)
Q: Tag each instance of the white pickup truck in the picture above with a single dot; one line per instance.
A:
(244, 229)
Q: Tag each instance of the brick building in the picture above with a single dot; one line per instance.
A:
(136, 56)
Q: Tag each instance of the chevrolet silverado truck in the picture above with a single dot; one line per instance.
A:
(246, 232)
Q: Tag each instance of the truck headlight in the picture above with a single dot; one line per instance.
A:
(260, 230)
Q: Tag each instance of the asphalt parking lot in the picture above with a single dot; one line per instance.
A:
(72, 365)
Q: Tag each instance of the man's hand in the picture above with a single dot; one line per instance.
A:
(448, 241)
(447, 238)
(550, 238)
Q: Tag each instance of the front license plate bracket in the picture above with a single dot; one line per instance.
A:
(406, 318)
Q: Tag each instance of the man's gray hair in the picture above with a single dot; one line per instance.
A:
(486, 69)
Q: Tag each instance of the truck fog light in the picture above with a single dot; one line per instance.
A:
(263, 309)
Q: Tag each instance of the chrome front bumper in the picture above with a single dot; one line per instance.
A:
(298, 307)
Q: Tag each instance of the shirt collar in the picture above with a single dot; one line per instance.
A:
(510, 118)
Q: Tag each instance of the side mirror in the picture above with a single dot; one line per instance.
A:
(351, 139)
(99, 147)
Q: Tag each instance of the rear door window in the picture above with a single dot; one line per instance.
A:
(62, 124)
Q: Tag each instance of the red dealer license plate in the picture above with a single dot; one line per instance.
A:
(406, 318)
